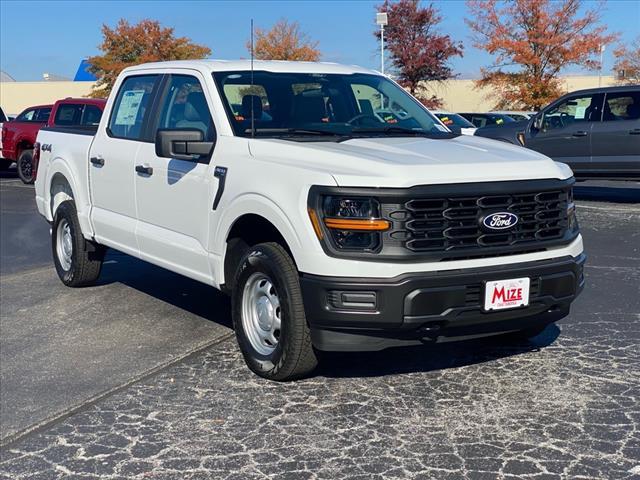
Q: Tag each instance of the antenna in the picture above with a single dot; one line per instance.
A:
(253, 126)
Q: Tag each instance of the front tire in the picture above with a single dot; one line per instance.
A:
(268, 315)
(77, 261)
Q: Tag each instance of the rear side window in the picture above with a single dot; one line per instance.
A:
(42, 115)
(132, 106)
(68, 114)
(621, 106)
(91, 115)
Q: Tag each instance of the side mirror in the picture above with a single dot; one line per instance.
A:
(537, 122)
(184, 144)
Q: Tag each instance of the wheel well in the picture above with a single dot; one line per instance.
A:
(60, 191)
(247, 231)
(22, 145)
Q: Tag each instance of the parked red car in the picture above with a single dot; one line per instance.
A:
(19, 135)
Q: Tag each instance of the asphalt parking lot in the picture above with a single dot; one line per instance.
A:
(139, 377)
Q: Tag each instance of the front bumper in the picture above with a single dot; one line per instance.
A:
(356, 314)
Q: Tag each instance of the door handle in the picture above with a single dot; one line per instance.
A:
(580, 133)
(98, 161)
(635, 131)
(144, 170)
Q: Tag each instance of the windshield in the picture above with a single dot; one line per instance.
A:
(302, 104)
(454, 119)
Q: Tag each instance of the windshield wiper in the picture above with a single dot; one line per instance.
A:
(404, 130)
(294, 131)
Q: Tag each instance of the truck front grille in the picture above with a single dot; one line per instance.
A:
(449, 226)
(446, 224)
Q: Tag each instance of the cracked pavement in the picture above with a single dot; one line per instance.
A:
(565, 404)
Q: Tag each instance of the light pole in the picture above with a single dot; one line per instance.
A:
(602, 48)
(382, 20)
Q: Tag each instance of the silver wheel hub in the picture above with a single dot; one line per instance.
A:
(64, 244)
(261, 313)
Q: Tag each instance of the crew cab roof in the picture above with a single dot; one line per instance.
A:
(87, 101)
(263, 65)
(617, 88)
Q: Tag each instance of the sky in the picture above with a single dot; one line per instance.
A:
(53, 36)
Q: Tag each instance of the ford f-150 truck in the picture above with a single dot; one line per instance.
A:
(19, 135)
(332, 228)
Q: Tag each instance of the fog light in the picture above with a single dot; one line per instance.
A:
(350, 300)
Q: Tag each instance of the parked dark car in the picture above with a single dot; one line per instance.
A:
(595, 131)
(484, 119)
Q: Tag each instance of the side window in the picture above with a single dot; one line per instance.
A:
(131, 106)
(621, 106)
(68, 114)
(91, 115)
(26, 116)
(579, 109)
(42, 115)
(185, 106)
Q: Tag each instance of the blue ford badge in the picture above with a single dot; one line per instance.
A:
(500, 221)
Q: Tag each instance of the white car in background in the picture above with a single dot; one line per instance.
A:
(454, 122)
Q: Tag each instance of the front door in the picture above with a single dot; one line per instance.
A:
(112, 163)
(565, 135)
(616, 139)
(174, 196)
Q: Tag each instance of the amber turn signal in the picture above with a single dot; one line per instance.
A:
(367, 224)
(315, 222)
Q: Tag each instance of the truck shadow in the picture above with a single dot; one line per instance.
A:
(182, 292)
(430, 357)
(212, 305)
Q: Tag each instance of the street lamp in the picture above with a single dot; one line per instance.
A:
(382, 20)
(602, 48)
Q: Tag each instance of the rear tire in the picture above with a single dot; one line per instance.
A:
(268, 315)
(77, 261)
(25, 166)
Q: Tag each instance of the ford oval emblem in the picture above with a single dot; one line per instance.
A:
(499, 221)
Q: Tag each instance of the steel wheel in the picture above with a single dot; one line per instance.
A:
(64, 244)
(261, 313)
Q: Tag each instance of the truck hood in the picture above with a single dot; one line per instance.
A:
(404, 162)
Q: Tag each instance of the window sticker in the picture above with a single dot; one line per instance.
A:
(580, 111)
(129, 106)
(441, 128)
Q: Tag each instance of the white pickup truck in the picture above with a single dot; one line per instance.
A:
(338, 212)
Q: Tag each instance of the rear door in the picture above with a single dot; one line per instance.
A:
(174, 196)
(112, 162)
(616, 139)
(565, 135)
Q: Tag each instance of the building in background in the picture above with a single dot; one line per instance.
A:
(16, 96)
(458, 95)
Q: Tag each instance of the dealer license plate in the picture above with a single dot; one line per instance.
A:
(503, 294)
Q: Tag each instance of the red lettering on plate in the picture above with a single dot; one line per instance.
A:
(510, 295)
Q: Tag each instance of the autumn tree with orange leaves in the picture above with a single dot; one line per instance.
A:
(128, 45)
(533, 40)
(285, 41)
(628, 62)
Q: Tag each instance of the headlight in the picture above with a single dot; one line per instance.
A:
(353, 223)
